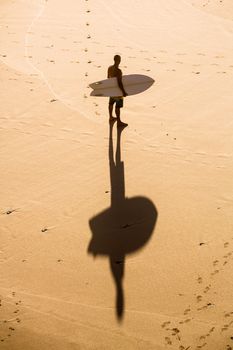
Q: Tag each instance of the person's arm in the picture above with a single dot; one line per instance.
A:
(109, 73)
(120, 84)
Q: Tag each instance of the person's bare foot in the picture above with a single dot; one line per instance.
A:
(120, 124)
(112, 119)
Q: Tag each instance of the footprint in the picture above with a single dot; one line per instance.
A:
(168, 340)
(211, 330)
(202, 337)
(224, 328)
(201, 346)
(163, 325)
(175, 331)
(205, 306)
(10, 211)
(185, 321)
(199, 280)
(188, 320)
(187, 311)
(207, 288)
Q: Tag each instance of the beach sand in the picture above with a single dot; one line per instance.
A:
(116, 239)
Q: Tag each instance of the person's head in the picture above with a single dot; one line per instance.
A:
(117, 59)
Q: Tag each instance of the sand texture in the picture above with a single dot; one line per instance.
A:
(114, 238)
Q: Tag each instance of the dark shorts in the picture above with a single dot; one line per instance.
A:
(117, 100)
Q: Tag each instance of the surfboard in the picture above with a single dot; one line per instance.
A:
(133, 84)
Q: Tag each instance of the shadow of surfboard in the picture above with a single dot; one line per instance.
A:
(123, 228)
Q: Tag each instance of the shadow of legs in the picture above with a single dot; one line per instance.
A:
(117, 268)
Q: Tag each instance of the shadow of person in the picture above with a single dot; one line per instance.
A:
(123, 228)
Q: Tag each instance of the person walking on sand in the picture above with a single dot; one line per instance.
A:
(114, 71)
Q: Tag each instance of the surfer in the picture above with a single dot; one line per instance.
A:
(114, 71)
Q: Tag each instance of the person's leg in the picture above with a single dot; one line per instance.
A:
(118, 115)
(119, 105)
(110, 109)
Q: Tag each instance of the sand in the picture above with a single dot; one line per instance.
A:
(100, 250)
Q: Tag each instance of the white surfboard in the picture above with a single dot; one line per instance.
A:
(133, 84)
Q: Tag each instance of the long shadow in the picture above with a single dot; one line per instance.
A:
(123, 228)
